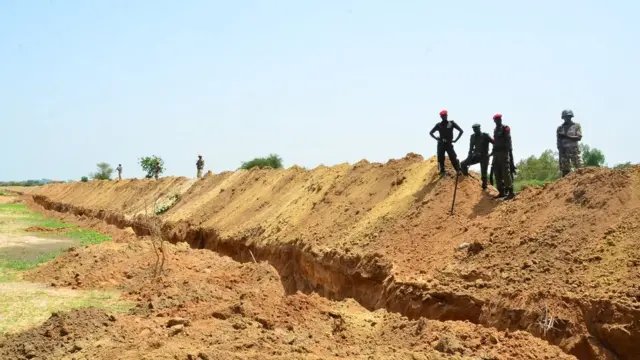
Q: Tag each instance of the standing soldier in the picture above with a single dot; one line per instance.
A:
(156, 170)
(478, 153)
(503, 158)
(119, 169)
(568, 136)
(445, 141)
(199, 166)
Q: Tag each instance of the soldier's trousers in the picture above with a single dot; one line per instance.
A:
(570, 157)
(502, 170)
(448, 148)
(119, 176)
(199, 175)
(483, 159)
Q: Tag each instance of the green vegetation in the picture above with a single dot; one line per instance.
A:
(4, 192)
(164, 208)
(26, 183)
(16, 219)
(149, 164)
(272, 161)
(544, 169)
(84, 179)
(623, 165)
(104, 172)
(591, 157)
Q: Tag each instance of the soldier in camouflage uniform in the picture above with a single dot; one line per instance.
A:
(199, 166)
(478, 153)
(568, 136)
(446, 141)
(119, 169)
(502, 162)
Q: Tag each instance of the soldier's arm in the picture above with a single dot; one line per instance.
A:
(578, 136)
(455, 126)
(507, 133)
(435, 128)
(471, 143)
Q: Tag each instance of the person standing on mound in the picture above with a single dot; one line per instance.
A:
(445, 141)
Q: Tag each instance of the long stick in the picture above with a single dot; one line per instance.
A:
(455, 190)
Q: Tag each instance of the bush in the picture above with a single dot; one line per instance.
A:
(104, 172)
(591, 157)
(149, 164)
(625, 165)
(84, 179)
(273, 161)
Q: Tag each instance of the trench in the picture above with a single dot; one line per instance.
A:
(369, 280)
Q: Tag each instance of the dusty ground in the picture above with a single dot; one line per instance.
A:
(209, 307)
(382, 234)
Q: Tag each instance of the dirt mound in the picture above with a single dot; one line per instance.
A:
(45, 229)
(211, 307)
(382, 234)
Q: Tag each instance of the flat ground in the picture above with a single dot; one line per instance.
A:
(103, 301)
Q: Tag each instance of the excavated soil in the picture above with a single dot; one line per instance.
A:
(382, 234)
(205, 306)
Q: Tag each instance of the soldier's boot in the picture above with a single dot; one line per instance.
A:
(484, 183)
(509, 193)
(501, 193)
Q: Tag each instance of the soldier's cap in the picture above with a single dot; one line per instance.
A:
(443, 112)
(497, 116)
(476, 125)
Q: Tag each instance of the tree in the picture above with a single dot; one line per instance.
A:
(623, 165)
(273, 161)
(149, 164)
(591, 157)
(543, 168)
(104, 172)
(84, 179)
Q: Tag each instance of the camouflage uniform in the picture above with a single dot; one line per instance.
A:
(119, 169)
(502, 149)
(199, 166)
(156, 171)
(568, 149)
(478, 153)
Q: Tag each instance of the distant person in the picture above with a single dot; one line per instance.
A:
(502, 158)
(156, 171)
(478, 153)
(199, 166)
(568, 136)
(445, 141)
(119, 170)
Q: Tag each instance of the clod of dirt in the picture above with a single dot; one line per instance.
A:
(178, 321)
(449, 345)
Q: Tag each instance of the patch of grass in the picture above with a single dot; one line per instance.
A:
(24, 305)
(519, 185)
(87, 237)
(21, 264)
(4, 192)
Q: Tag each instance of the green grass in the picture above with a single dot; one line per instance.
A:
(519, 185)
(17, 218)
(4, 192)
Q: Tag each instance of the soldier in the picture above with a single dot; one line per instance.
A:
(445, 141)
(503, 158)
(478, 153)
(156, 171)
(119, 169)
(199, 166)
(568, 136)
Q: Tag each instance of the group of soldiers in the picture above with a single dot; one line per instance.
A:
(568, 136)
(156, 172)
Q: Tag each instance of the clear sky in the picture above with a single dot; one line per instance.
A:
(318, 82)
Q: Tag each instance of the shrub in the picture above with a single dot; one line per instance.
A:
(104, 172)
(273, 161)
(84, 179)
(149, 164)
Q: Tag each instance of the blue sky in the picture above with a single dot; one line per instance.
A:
(318, 82)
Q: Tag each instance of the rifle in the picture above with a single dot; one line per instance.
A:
(491, 172)
(455, 190)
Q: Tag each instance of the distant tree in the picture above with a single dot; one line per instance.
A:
(273, 161)
(104, 172)
(149, 164)
(623, 165)
(84, 179)
(543, 168)
(591, 157)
